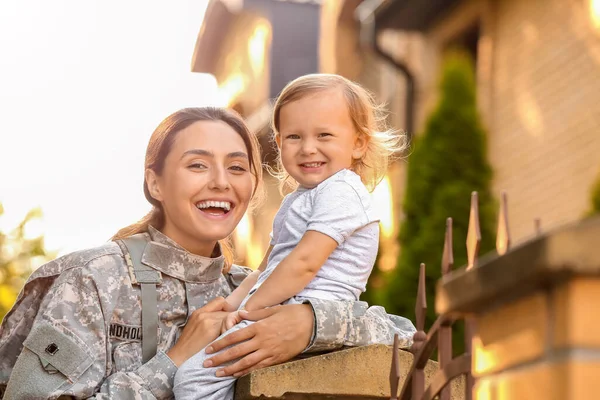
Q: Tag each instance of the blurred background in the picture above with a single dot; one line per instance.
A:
(494, 96)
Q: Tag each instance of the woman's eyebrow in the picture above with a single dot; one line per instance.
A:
(198, 152)
(201, 152)
(237, 154)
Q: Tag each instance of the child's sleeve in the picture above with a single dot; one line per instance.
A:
(337, 211)
(271, 239)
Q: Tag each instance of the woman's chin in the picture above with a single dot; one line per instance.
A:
(215, 216)
(211, 227)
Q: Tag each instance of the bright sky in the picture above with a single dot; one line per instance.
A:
(82, 86)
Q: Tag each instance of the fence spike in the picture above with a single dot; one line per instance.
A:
(474, 232)
(503, 233)
(421, 306)
(448, 254)
(445, 335)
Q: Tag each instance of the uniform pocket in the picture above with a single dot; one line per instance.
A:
(50, 361)
(127, 356)
(58, 352)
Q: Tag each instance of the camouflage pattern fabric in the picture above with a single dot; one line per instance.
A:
(85, 341)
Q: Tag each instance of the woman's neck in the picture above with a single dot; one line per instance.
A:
(191, 245)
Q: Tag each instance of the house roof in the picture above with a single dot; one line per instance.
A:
(217, 19)
(411, 15)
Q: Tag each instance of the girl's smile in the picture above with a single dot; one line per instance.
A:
(317, 137)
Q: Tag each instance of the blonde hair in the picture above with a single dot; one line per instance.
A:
(367, 117)
(158, 149)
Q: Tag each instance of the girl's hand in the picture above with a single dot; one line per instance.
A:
(230, 321)
(229, 307)
(203, 326)
(280, 334)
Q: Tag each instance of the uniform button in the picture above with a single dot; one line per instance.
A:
(52, 349)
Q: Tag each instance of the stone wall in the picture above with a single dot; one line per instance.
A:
(357, 373)
(536, 331)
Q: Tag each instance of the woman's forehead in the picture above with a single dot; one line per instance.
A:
(214, 136)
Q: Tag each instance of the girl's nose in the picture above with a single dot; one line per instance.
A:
(308, 147)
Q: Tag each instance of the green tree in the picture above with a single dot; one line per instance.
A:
(448, 162)
(19, 255)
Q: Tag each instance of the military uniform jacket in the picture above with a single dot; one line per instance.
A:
(85, 341)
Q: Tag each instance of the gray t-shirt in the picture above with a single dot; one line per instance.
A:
(339, 207)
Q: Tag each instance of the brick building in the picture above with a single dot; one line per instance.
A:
(538, 83)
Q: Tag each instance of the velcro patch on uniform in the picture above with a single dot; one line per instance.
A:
(125, 332)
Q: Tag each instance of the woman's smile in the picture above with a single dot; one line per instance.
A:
(206, 185)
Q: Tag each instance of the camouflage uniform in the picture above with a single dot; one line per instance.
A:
(86, 339)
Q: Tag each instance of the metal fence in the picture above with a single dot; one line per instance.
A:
(439, 335)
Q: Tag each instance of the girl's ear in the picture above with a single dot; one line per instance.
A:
(360, 146)
(152, 183)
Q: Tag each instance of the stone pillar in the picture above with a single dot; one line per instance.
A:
(537, 332)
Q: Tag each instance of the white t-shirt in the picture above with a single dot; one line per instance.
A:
(339, 207)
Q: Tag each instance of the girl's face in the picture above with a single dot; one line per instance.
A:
(205, 186)
(317, 137)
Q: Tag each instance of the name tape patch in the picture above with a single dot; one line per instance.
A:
(125, 332)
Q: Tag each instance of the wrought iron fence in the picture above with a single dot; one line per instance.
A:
(439, 335)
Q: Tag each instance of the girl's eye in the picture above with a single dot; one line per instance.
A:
(325, 134)
(292, 137)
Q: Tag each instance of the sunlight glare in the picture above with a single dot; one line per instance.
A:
(595, 13)
(383, 203)
(257, 46)
(230, 89)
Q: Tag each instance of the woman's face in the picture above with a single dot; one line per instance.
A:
(205, 186)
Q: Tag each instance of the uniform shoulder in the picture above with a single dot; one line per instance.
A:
(237, 274)
(104, 256)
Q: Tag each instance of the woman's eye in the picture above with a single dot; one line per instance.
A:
(197, 166)
(238, 168)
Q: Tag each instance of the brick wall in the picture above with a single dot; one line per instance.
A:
(544, 141)
(538, 89)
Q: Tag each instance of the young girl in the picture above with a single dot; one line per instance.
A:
(325, 235)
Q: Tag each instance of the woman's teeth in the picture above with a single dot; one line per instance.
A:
(216, 204)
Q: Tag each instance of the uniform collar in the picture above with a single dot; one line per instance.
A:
(166, 256)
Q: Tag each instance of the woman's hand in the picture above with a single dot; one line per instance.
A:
(203, 326)
(280, 334)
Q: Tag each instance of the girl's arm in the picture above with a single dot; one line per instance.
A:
(294, 272)
(237, 296)
(337, 211)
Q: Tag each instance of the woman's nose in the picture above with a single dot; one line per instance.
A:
(219, 179)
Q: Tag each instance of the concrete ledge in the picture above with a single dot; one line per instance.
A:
(536, 265)
(360, 373)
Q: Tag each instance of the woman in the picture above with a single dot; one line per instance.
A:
(202, 173)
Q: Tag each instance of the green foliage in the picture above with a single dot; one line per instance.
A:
(375, 289)
(448, 162)
(19, 255)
